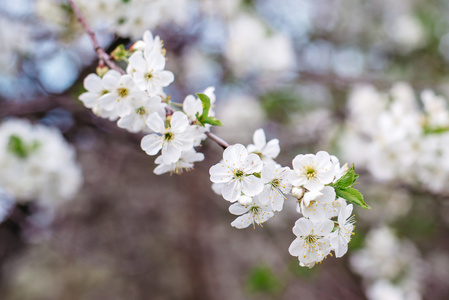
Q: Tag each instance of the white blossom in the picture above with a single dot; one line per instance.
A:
(121, 92)
(184, 163)
(97, 87)
(141, 109)
(267, 151)
(276, 186)
(172, 139)
(316, 205)
(252, 213)
(148, 72)
(36, 163)
(312, 171)
(312, 244)
(342, 235)
(236, 171)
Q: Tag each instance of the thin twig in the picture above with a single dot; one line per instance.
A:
(102, 55)
(217, 140)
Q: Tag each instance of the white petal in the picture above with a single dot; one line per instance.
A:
(296, 247)
(252, 164)
(171, 151)
(242, 221)
(155, 123)
(220, 173)
(259, 139)
(235, 154)
(179, 122)
(302, 227)
(251, 185)
(164, 78)
(151, 144)
(108, 101)
(232, 190)
(237, 209)
(93, 83)
(272, 149)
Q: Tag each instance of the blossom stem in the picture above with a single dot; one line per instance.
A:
(102, 55)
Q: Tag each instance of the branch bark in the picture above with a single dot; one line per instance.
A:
(102, 55)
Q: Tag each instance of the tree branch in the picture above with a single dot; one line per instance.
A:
(102, 55)
(217, 140)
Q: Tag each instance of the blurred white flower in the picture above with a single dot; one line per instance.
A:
(36, 163)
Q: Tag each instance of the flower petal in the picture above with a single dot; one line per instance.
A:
(151, 144)
(232, 190)
(155, 122)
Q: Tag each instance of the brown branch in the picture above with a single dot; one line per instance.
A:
(217, 140)
(102, 55)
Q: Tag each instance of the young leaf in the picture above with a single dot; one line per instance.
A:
(347, 179)
(212, 121)
(204, 118)
(206, 104)
(351, 195)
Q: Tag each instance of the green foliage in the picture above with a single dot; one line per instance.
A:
(204, 118)
(262, 279)
(19, 148)
(435, 130)
(344, 188)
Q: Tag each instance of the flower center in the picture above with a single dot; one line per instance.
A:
(148, 76)
(238, 173)
(141, 110)
(311, 238)
(168, 136)
(255, 210)
(310, 173)
(275, 183)
(122, 92)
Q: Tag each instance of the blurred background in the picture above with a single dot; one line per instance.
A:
(337, 75)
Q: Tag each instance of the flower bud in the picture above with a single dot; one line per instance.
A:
(245, 200)
(297, 192)
(101, 70)
(138, 46)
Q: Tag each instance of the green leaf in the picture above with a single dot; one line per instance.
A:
(347, 179)
(206, 104)
(21, 149)
(204, 118)
(351, 195)
(16, 146)
(212, 121)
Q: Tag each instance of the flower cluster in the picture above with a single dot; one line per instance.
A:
(137, 100)
(250, 178)
(36, 163)
(395, 139)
